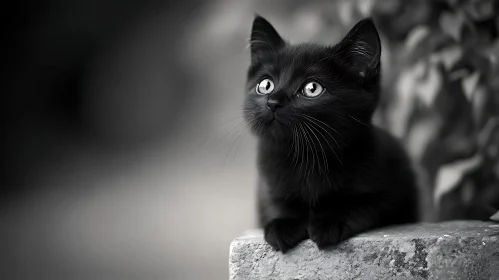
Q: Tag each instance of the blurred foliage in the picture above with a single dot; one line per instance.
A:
(441, 83)
(443, 100)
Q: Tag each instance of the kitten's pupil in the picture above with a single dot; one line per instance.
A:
(268, 86)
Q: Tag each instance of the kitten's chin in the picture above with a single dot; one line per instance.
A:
(272, 130)
(269, 126)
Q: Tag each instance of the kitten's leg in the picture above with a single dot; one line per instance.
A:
(326, 230)
(285, 233)
(288, 227)
(330, 226)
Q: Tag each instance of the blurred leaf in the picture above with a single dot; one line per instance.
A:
(474, 60)
(486, 134)
(429, 86)
(345, 12)
(480, 10)
(405, 15)
(429, 46)
(403, 101)
(416, 35)
(449, 176)
(474, 36)
(458, 74)
(497, 23)
(493, 54)
(421, 134)
(452, 3)
(495, 217)
(493, 151)
(470, 83)
(365, 7)
(452, 24)
(448, 56)
(467, 192)
(445, 150)
(454, 108)
(478, 103)
(388, 6)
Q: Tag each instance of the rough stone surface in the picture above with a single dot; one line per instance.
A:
(451, 250)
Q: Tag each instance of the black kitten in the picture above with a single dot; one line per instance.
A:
(326, 173)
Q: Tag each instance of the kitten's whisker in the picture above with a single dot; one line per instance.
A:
(295, 154)
(324, 152)
(292, 146)
(245, 132)
(318, 122)
(244, 113)
(242, 139)
(313, 152)
(238, 132)
(327, 142)
(307, 142)
(299, 149)
(322, 123)
(241, 132)
(219, 126)
(302, 150)
(230, 131)
(228, 121)
(207, 140)
(322, 149)
(235, 110)
(358, 121)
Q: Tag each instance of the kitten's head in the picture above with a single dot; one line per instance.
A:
(307, 85)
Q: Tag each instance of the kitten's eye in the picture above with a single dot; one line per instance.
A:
(312, 89)
(265, 87)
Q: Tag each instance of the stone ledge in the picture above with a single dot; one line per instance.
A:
(451, 250)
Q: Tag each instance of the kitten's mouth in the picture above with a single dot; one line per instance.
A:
(269, 123)
(274, 122)
(273, 119)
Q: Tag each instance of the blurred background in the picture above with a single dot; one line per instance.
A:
(125, 155)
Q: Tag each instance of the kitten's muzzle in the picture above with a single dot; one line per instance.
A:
(276, 101)
(273, 104)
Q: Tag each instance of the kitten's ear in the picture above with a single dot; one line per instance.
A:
(264, 38)
(361, 48)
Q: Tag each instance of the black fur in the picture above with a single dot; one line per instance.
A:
(326, 173)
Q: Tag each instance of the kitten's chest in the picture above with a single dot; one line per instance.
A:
(289, 174)
(288, 178)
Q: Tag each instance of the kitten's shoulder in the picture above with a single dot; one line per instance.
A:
(388, 145)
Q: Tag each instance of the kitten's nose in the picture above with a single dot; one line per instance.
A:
(273, 104)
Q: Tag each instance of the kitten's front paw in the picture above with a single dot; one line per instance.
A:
(285, 233)
(326, 233)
